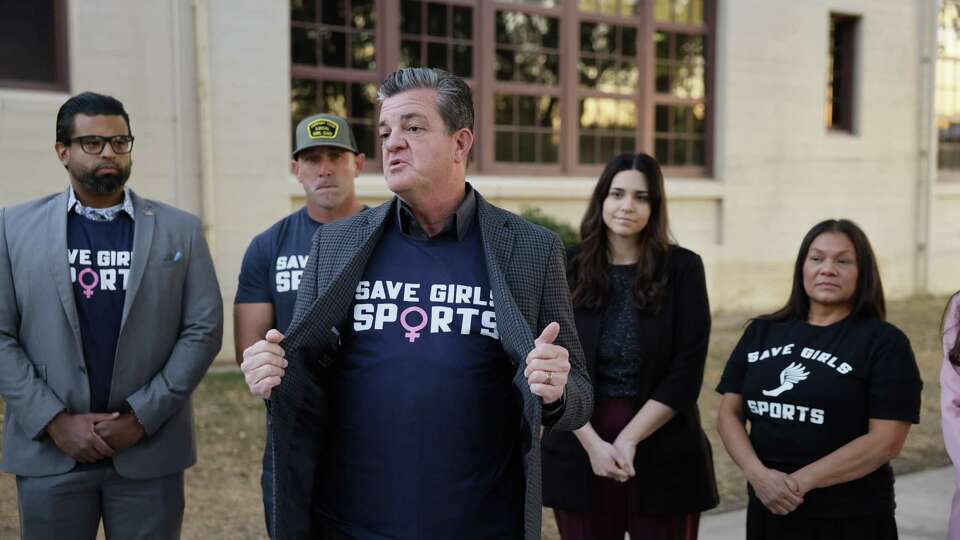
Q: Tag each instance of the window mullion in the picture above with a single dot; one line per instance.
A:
(646, 65)
(569, 77)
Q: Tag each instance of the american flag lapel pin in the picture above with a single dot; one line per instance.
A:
(148, 211)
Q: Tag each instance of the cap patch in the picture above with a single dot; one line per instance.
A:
(322, 128)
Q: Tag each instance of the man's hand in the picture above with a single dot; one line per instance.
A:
(76, 436)
(547, 366)
(776, 490)
(264, 364)
(120, 432)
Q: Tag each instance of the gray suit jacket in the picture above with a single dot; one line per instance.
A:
(525, 264)
(171, 330)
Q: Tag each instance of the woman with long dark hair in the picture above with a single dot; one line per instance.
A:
(950, 401)
(830, 390)
(642, 464)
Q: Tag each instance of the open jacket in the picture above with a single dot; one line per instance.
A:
(674, 464)
(170, 331)
(525, 264)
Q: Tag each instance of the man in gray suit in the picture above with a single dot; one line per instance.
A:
(438, 330)
(110, 314)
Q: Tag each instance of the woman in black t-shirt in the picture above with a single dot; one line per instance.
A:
(830, 390)
(643, 463)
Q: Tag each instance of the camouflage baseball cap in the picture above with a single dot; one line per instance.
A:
(324, 130)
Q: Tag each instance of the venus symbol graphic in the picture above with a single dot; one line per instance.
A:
(88, 287)
(413, 331)
(789, 377)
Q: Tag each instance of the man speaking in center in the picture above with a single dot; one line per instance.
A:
(439, 331)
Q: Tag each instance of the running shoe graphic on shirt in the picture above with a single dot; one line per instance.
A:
(789, 377)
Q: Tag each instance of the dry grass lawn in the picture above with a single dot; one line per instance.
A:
(223, 489)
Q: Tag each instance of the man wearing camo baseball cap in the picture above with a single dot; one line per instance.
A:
(326, 161)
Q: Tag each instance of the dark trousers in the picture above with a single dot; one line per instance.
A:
(610, 526)
(612, 511)
(266, 480)
(302, 461)
(69, 506)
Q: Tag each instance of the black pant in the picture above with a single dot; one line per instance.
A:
(763, 525)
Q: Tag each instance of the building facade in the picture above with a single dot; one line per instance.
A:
(768, 115)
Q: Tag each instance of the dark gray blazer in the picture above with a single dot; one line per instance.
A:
(525, 264)
(171, 330)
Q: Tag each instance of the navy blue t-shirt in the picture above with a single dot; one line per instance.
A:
(426, 430)
(99, 255)
(273, 265)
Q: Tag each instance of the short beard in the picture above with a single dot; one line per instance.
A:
(104, 184)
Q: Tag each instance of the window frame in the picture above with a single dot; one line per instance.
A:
(321, 73)
(649, 131)
(392, 34)
(488, 81)
(61, 56)
(849, 57)
(952, 87)
(485, 86)
(638, 96)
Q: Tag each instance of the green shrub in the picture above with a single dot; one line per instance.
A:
(568, 235)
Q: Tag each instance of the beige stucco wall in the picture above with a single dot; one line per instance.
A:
(249, 118)
(778, 169)
(138, 53)
(206, 83)
(146, 55)
(783, 171)
(945, 239)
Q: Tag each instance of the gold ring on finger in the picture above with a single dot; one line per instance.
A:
(549, 378)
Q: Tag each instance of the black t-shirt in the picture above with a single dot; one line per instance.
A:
(808, 390)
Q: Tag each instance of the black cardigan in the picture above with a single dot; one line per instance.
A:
(674, 464)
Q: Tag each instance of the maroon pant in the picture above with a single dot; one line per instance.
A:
(608, 525)
(612, 503)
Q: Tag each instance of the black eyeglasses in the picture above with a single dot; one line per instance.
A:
(93, 144)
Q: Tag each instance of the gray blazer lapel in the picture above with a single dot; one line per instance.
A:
(346, 262)
(339, 255)
(342, 262)
(58, 264)
(497, 237)
(366, 239)
(142, 240)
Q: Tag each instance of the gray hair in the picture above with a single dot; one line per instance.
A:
(454, 98)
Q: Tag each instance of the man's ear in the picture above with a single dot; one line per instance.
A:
(359, 159)
(464, 140)
(294, 167)
(63, 153)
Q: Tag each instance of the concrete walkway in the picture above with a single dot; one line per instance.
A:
(923, 507)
